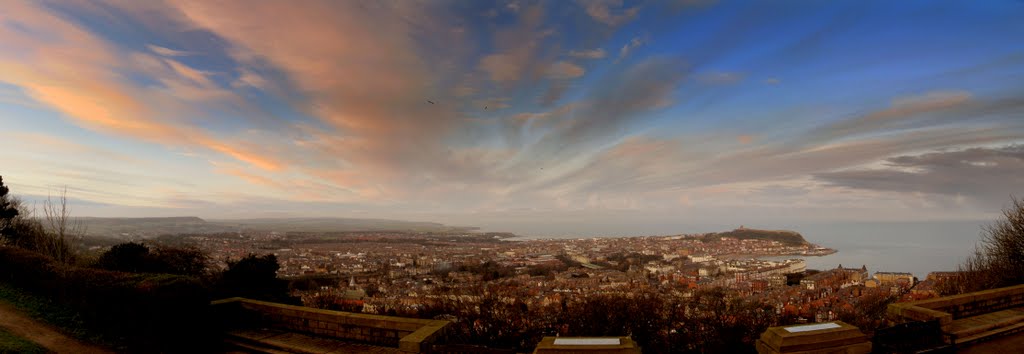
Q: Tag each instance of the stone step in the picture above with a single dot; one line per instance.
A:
(275, 341)
(990, 333)
(971, 326)
(248, 347)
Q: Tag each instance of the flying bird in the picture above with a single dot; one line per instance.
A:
(429, 101)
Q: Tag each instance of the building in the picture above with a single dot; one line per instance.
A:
(896, 278)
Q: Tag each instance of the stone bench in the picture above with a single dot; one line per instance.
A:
(968, 317)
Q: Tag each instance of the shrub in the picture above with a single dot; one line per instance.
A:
(255, 277)
(149, 312)
(126, 257)
(137, 258)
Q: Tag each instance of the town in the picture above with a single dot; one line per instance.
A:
(398, 272)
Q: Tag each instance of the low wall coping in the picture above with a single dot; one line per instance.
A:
(954, 300)
(426, 331)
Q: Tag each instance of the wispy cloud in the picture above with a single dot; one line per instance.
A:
(588, 54)
(428, 106)
(609, 12)
(167, 52)
(564, 70)
(720, 78)
(629, 47)
(85, 88)
(986, 176)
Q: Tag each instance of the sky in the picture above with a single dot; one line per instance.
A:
(541, 117)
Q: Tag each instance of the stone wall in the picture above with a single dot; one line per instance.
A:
(949, 308)
(408, 334)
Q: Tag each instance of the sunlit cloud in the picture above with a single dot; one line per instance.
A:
(506, 109)
(609, 12)
(588, 54)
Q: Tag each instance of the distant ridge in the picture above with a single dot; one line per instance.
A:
(144, 219)
(786, 237)
(148, 227)
(335, 225)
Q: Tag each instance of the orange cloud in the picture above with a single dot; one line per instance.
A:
(62, 66)
(258, 160)
(564, 70)
(604, 11)
(360, 70)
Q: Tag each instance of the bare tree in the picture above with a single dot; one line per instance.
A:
(62, 230)
(998, 260)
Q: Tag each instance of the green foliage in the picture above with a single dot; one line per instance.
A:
(255, 277)
(789, 238)
(148, 312)
(137, 258)
(641, 315)
(489, 270)
(126, 257)
(43, 308)
(711, 321)
(313, 282)
(11, 343)
(623, 261)
(18, 228)
(8, 209)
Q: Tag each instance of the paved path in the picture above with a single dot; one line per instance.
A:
(277, 341)
(43, 334)
(1013, 343)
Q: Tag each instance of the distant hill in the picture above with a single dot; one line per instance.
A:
(152, 227)
(335, 225)
(786, 237)
(146, 227)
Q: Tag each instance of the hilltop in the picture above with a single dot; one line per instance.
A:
(786, 237)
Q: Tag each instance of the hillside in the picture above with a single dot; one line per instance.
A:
(146, 227)
(786, 237)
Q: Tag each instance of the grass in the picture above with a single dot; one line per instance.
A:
(11, 343)
(55, 314)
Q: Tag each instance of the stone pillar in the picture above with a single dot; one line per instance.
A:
(829, 337)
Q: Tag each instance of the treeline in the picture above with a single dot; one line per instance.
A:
(710, 321)
(623, 261)
(789, 238)
(137, 297)
(491, 270)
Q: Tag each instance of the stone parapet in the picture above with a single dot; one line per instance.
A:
(967, 317)
(407, 334)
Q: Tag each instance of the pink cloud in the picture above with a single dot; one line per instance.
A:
(70, 70)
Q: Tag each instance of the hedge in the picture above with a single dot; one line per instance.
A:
(148, 312)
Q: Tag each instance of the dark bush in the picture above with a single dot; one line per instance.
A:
(255, 277)
(180, 260)
(148, 312)
(138, 258)
(126, 257)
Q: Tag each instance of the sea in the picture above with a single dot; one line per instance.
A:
(912, 247)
